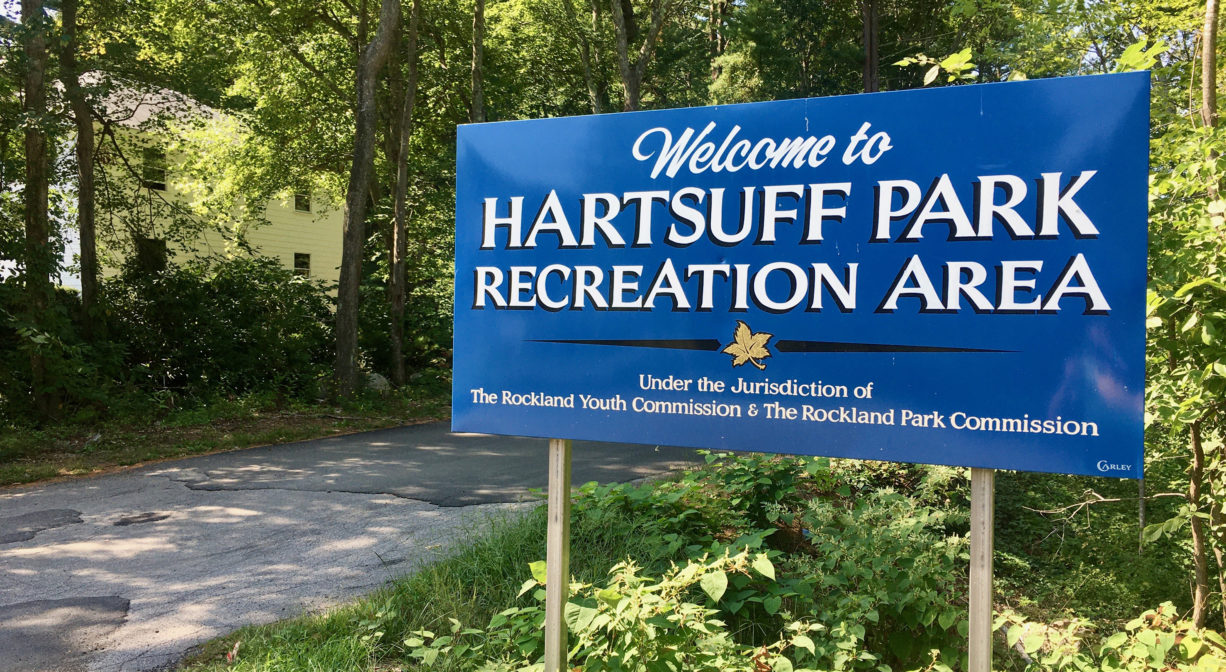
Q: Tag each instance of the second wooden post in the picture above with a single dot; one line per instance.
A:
(983, 508)
(557, 556)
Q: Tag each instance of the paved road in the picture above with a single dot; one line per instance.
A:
(128, 571)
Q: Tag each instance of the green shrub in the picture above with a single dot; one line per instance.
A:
(886, 568)
(80, 374)
(222, 329)
(1157, 640)
(631, 622)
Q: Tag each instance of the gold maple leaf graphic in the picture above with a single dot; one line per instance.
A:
(746, 346)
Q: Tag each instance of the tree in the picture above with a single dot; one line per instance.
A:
(634, 68)
(39, 257)
(868, 16)
(374, 55)
(477, 114)
(82, 115)
(399, 243)
(1187, 389)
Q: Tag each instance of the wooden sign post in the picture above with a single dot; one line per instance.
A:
(983, 507)
(557, 555)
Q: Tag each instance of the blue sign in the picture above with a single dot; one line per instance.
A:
(950, 276)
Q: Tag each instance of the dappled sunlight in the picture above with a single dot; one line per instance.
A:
(103, 548)
(220, 514)
(224, 540)
(351, 544)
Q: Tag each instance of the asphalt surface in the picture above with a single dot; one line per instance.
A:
(130, 570)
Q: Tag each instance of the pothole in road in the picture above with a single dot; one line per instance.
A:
(147, 517)
(25, 526)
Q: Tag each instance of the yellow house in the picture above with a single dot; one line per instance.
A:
(147, 185)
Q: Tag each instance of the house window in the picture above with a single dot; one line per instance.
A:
(153, 168)
(151, 254)
(302, 264)
(302, 202)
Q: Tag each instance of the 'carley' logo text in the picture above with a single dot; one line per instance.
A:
(1107, 467)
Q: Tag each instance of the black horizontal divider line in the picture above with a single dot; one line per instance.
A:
(712, 345)
(828, 346)
(709, 344)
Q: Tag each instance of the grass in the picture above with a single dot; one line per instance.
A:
(473, 585)
(28, 455)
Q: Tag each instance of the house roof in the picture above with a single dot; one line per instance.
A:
(135, 105)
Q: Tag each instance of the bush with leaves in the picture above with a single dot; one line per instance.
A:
(225, 328)
(1157, 640)
(884, 567)
(633, 622)
(81, 374)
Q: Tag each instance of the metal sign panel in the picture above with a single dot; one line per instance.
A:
(950, 276)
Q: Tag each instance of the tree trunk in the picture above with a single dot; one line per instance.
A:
(1208, 116)
(598, 69)
(1208, 75)
(633, 71)
(477, 114)
(868, 15)
(716, 41)
(1221, 578)
(585, 55)
(1200, 559)
(399, 242)
(371, 60)
(81, 114)
(39, 260)
(630, 84)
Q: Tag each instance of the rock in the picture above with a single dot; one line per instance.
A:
(378, 383)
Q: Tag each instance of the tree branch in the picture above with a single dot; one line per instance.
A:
(292, 47)
(338, 26)
(1099, 499)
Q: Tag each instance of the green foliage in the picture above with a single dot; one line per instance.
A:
(1093, 548)
(760, 488)
(628, 623)
(884, 566)
(957, 66)
(670, 576)
(1156, 640)
(235, 326)
(80, 372)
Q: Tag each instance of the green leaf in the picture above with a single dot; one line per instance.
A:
(1032, 642)
(803, 642)
(538, 571)
(781, 664)
(578, 617)
(714, 584)
(772, 604)
(947, 618)
(609, 596)
(1114, 641)
(931, 75)
(1136, 57)
(763, 566)
(528, 585)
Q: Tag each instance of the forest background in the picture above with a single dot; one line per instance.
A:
(360, 100)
